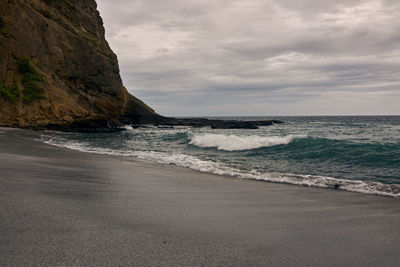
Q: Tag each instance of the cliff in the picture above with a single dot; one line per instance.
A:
(57, 70)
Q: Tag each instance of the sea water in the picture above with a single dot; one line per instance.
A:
(354, 153)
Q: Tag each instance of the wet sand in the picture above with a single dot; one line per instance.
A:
(60, 207)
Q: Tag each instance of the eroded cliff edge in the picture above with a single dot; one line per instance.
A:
(57, 70)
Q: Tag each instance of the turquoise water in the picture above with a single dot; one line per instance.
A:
(359, 154)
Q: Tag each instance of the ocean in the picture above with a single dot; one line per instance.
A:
(353, 153)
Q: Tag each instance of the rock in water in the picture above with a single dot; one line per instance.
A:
(57, 70)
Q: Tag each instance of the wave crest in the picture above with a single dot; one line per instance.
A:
(236, 143)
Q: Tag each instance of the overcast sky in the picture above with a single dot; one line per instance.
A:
(258, 57)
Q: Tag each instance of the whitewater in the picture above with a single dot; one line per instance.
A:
(235, 143)
(359, 154)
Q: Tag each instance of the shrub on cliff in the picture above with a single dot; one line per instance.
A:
(31, 78)
(24, 66)
(11, 94)
(31, 92)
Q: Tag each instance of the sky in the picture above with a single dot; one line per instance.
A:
(258, 57)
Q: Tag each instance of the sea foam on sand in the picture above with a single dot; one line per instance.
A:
(219, 168)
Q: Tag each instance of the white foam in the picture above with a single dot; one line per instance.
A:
(213, 167)
(236, 143)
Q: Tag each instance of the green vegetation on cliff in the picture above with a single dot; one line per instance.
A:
(31, 78)
(31, 90)
(11, 94)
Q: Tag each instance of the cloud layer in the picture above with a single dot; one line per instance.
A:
(257, 57)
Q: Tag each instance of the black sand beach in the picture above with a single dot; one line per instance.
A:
(65, 208)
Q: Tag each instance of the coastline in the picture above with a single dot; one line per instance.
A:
(64, 207)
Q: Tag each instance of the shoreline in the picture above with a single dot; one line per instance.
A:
(65, 207)
(226, 176)
(193, 163)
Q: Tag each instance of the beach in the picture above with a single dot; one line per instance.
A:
(61, 207)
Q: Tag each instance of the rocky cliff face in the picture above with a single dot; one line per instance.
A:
(58, 71)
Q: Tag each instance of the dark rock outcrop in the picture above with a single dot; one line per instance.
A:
(57, 70)
(215, 124)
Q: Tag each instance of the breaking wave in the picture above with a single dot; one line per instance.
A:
(236, 143)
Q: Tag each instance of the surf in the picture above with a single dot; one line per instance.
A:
(237, 143)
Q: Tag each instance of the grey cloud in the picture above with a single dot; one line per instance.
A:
(207, 57)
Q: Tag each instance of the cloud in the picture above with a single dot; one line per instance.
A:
(254, 57)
